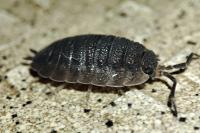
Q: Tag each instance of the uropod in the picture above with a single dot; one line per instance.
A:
(104, 60)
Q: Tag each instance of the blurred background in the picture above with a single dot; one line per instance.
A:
(168, 27)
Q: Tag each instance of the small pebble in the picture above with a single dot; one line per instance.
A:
(129, 105)
(182, 14)
(196, 128)
(191, 42)
(123, 14)
(18, 95)
(144, 40)
(48, 93)
(28, 102)
(99, 100)
(109, 123)
(162, 112)
(182, 119)
(113, 104)
(8, 97)
(5, 77)
(153, 90)
(175, 25)
(14, 116)
(87, 110)
(4, 57)
(17, 122)
(53, 131)
(23, 89)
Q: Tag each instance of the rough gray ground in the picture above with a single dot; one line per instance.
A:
(165, 26)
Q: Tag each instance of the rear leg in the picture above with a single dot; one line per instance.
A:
(120, 92)
(89, 90)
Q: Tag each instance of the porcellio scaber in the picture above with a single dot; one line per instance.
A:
(104, 60)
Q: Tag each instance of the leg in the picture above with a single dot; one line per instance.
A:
(171, 99)
(33, 51)
(121, 91)
(88, 95)
(30, 57)
(183, 66)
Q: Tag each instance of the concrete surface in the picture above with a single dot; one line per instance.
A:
(169, 27)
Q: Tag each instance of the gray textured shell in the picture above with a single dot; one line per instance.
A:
(101, 60)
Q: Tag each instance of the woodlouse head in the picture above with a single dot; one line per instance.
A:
(149, 63)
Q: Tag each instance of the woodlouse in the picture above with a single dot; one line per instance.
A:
(104, 60)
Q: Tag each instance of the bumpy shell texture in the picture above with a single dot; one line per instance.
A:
(101, 60)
